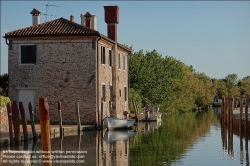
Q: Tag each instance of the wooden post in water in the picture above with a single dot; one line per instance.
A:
(241, 112)
(223, 111)
(32, 123)
(231, 112)
(24, 122)
(10, 123)
(136, 105)
(226, 111)
(78, 116)
(135, 108)
(231, 121)
(60, 117)
(45, 130)
(246, 113)
(16, 120)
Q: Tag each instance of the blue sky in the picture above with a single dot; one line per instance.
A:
(212, 36)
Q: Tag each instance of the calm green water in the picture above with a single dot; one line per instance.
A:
(187, 139)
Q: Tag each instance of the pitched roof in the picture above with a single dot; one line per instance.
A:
(58, 27)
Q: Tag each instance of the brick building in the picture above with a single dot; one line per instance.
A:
(68, 62)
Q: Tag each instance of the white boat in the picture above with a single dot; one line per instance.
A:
(149, 116)
(118, 135)
(156, 116)
(117, 123)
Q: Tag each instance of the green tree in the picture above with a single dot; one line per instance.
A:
(220, 88)
(4, 83)
(244, 85)
(231, 84)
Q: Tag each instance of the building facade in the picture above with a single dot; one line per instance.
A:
(70, 62)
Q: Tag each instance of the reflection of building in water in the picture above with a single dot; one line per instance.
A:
(97, 148)
(115, 148)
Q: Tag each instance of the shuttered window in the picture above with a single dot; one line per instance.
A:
(111, 93)
(104, 92)
(110, 58)
(124, 63)
(125, 93)
(28, 54)
(103, 55)
(119, 61)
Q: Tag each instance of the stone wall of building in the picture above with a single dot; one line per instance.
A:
(61, 73)
(66, 71)
(105, 77)
(4, 123)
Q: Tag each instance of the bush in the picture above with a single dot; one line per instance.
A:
(4, 101)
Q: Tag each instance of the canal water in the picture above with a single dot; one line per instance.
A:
(186, 139)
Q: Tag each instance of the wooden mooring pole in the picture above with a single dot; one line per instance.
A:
(16, 120)
(231, 112)
(241, 112)
(246, 113)
(60, 117)
(227, 112)
(78, 116)
(10, 123)
(45, 130)
(24, 122)
(223, 111)
(32, 123)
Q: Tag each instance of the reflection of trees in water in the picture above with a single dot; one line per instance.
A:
(176, 135)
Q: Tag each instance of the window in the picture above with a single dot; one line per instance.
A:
(103, 92)
(110, 58)
(27, 54)
(111, 93)
(124, 64)
(103, 55)
(119, 61)
(125, 93)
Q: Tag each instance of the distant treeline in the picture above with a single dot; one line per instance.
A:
(168, 83)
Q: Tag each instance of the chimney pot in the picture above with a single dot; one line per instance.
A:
(87, 18)
(35, 16)
(71, 18)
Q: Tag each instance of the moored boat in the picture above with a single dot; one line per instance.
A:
(117, 123)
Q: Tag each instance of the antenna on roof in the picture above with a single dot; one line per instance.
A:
(47, 7)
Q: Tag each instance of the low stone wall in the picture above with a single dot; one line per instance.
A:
(3, 119)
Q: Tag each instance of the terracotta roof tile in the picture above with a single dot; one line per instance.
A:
(58, 27)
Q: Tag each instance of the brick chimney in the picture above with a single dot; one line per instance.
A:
(35, 16)
(93, 21)
(71, 18)
(87, 18)
(112, 19)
